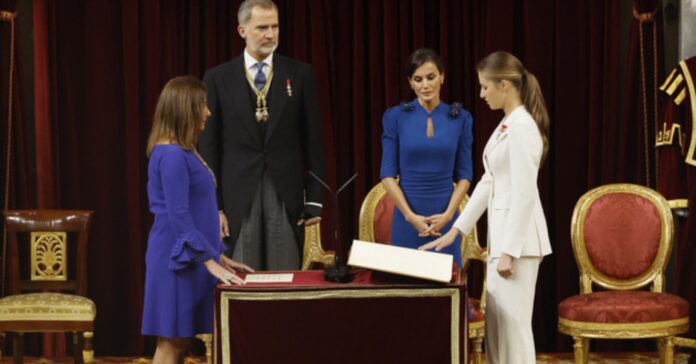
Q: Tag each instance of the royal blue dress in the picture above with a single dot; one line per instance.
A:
(179, 290)
(426, 167)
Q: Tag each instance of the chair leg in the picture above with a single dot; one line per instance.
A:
(87, 348)
(581, 349)
(77, 347)
(17, 347)
(661, 349)
(665, 347)
(208, 341)
(478, 350)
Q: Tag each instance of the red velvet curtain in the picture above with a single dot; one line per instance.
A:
(13, 132)
(14, 138)
(106, 61)
(15, 135)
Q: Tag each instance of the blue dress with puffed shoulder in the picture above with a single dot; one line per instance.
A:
(179, 290)
(426, 166)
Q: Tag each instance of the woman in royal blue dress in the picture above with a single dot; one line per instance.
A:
(184, 259)
(426, 144)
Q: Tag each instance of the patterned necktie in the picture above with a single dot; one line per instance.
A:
(260, 78)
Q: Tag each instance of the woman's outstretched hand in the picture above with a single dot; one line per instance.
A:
(223, 274)
(441, 242)
(233, 266)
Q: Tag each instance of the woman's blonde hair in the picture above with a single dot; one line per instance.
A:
(179, 113)
(499, 66)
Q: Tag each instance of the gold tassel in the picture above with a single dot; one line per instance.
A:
(429, 132)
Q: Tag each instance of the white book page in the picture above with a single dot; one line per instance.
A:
(400, 260)
(269, 278)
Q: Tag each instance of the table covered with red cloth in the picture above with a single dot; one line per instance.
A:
(377, 318)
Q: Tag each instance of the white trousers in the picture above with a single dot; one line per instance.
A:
(509, 306)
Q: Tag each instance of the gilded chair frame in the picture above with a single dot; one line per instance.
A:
(582, 332)
(588, 273)
(471, 250)
(366, 218)
(313, 252)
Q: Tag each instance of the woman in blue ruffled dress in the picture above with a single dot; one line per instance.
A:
(184, 259)
(426, 157)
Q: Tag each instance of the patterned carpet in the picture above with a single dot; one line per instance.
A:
(549, 358)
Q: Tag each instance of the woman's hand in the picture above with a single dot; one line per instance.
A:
(224, 225)
(437, 222)
(441, 242)
(420, 223)
(224, 275)
(233, 266)
(506, 266)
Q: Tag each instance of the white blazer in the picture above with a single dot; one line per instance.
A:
(508, 189)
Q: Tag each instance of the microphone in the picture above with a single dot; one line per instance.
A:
(339, 272)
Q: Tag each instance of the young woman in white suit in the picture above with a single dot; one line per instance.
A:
(517, 233)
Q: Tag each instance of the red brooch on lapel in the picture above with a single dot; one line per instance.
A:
(288, 87)
(501, 130)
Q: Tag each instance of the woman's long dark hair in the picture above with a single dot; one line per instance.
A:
(179, 113)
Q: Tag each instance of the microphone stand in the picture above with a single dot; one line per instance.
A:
(339, 272)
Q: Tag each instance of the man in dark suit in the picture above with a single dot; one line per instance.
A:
(261, 141)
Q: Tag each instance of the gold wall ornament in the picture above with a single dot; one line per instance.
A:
(692, 98)
(666, 135)
(48, 256)
(668, 81)
(673, 86)
(680, 98)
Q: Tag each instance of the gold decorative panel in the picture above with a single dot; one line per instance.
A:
(48, 256)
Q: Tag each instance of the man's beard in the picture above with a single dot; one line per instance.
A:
(267, 50)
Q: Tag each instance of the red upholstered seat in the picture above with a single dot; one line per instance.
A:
(623, 307)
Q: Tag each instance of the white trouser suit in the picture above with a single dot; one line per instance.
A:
(517, 227)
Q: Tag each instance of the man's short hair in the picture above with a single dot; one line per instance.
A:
(244, 13)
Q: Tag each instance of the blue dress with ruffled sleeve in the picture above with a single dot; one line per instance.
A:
(426, 166)
(185, 233)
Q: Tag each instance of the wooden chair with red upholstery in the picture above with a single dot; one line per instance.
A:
(622, 236)
(375, 220)
(48, 257)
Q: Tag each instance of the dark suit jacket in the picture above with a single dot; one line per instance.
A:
(232, 145)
